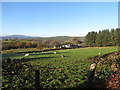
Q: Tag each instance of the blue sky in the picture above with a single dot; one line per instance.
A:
(47, 19)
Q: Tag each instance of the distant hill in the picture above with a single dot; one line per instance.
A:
(17, 36)
(66, 38)
(60, 38)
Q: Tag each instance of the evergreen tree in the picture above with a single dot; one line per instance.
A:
(87, 39)
(90, 38)
(105, 36)
(112, 37)
(98, 40)
(117, 37)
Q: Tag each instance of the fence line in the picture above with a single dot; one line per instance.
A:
(37, 79)
(91, 75)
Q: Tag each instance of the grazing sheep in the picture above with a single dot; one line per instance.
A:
(62, 56)
(55, 52)
(100, 53)
(27, 54)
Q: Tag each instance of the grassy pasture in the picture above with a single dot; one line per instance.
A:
(79, 53)
(62, 72)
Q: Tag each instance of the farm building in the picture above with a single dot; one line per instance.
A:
(69, 46)
(56, 46)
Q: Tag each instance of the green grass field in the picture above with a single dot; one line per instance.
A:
(80, 53)
(62, 72)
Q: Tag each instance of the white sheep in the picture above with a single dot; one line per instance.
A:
(55, 52)
(100, 53)
(26, 54)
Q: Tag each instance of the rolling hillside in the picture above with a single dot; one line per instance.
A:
(60, 38)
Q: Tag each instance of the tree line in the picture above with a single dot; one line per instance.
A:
(103, 38)
(6, 45)
(40, 44)
(17, 44)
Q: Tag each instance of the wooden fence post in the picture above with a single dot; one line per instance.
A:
(37, 79)
(91, 75)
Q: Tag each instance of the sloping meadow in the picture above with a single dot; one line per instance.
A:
(64, 69)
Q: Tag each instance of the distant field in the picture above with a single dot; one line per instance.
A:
(63, 72)
(21, 50)
(80, 53)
